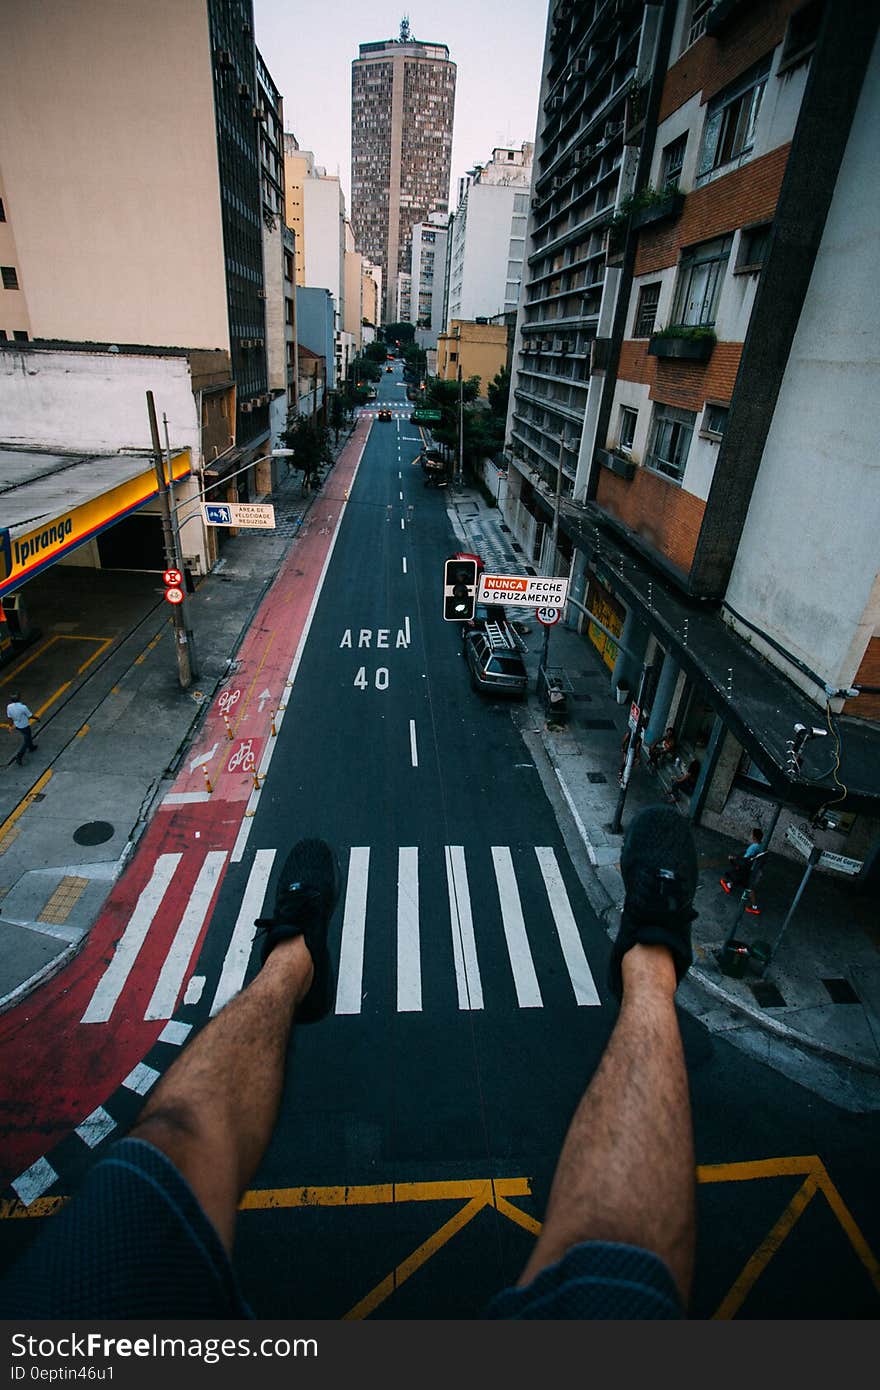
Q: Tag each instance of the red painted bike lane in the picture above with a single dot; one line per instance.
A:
(55, 1068)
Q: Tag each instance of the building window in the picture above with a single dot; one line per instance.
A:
(801, 34)
(697, 22)
(754, 245)
(627, 431)
(2, 211)
(714, 420)
(4, 337)
(20, 336)
(672, 162)
(670, 440)
(700, 276)
(453, 356)
(10, 278)
(646, 311)
(731, 119)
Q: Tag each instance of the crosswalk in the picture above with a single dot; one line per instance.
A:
(476, 926)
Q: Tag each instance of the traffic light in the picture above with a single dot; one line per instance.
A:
(459, 590)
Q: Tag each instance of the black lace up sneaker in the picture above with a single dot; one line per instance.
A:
(307, 891)
(659, 868)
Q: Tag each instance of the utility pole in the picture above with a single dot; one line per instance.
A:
(460, 423)
(178, 553)
(181, 639)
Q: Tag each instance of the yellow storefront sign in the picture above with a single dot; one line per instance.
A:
(23, 554)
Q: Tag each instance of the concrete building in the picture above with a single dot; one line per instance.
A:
(479, 349)
(79, 234)
(278, 260)
(488, 235)
(184, 299)
(692, 352)
(402, 104)
(315, 211)
(427, 272)
(354, 301)
(371, 293)
(404, 308)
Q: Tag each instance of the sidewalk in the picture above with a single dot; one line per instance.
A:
(72, 815)
(819, 998)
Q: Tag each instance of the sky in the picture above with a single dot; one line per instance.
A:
(496, 44)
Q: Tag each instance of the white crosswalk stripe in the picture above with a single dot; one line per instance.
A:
(491, 934)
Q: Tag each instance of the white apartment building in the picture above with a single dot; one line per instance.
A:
(315, 210)
(428, 274)
(488, 235)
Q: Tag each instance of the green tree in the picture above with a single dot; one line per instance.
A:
(375, 352)
(498, 392)
(399, 332)
(338, 412)
(311, 448)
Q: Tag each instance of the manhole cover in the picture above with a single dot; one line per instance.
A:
(596, 777)
(94, 832)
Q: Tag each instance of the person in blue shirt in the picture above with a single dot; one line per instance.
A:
(741, 870)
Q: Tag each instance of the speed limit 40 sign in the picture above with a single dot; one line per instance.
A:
(548, 616)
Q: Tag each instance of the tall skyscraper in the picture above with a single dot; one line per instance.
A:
(402, 104)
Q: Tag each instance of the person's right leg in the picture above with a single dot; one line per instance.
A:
(626, 1171)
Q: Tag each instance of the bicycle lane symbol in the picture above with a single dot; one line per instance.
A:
(228, 700)
(244, 755)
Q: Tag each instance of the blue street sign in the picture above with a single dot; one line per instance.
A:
(217, 514)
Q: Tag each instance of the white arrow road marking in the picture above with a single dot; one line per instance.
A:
(264, 696)
(202, 758)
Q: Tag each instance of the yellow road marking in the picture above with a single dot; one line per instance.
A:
(757, 1263)
(24, 803)
(408, 1267)
(104, 643)
(81, 733)
(63, 900)
(56, 695)
(12, 678)
(480, 1193)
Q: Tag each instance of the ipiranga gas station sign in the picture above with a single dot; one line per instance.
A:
(527, 591)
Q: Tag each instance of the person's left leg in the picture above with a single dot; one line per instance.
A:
(214, 1111)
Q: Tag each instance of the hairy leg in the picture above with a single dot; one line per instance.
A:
(214, 1111)
(626, 1171)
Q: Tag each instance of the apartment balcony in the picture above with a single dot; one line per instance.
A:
(545, 402)
(663, 209)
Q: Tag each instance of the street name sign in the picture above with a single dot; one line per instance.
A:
(525, 590)
(246, 514)
(802, 843)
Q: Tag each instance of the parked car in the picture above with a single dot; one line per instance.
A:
(384, 415)
(494, 661)
(484, 613)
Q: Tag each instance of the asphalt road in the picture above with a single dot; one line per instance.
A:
(421, 1121)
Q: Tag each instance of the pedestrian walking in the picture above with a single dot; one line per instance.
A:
(20, 717)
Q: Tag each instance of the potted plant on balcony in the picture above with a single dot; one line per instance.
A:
(655, 205)
(683, 341)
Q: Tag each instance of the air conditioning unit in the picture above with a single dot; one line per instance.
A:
(536, 203)
(246, 343)
(584, 155)
(579, 67)
(243, 89)
(558, 183)
(246, 407)
(261, 294)
(224, 58)
(613, 128)
(256, 113)
(552, 105)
